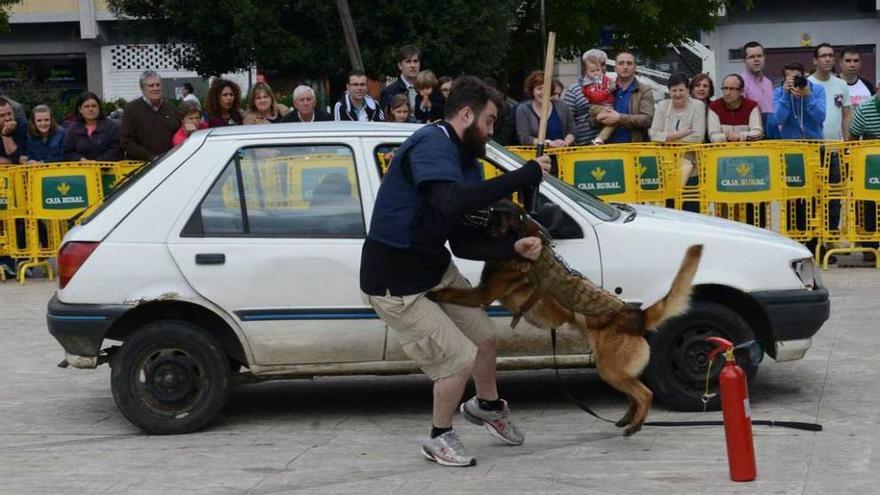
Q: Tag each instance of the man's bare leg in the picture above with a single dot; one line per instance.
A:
(484, 370)
(447, 395)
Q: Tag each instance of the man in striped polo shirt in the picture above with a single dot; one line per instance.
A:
(866, 120)
(577, 103)
(865, 124)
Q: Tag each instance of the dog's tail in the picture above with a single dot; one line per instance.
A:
(676, 300)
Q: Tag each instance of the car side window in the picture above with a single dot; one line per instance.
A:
(284, 191)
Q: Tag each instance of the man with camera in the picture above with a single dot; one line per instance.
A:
(799, 113)
(798, 105)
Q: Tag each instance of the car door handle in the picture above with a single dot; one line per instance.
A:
(210, 258)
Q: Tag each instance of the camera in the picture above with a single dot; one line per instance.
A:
(800, 81)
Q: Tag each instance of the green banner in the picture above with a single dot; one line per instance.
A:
(872, 172)
(795, 170)
(649, 177)
(65, 193)
(600, 177)
(740, 174)
(107, 183)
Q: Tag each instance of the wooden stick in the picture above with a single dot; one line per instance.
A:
(548, 90)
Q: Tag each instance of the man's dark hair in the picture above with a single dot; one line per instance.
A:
(621, 52)
(4, 102)
(821, 46)
(470, 91)
(850, 49)
(444, 79)
(355, 73)
(742, 84)
(406, 52)
(752, 44)
(793, 66)
(84, 97)
(676, 79)
(188, 87)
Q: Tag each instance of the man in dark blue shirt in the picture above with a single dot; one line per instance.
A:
(13, 133)
(433, 181)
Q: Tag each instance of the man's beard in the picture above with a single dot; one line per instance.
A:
(474, 141)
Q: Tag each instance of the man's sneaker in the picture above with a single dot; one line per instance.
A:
(497, 423)
(447, 450)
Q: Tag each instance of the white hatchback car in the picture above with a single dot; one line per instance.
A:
(237, 254)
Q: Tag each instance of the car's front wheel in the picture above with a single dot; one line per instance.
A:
(170, 377)
(676, 372)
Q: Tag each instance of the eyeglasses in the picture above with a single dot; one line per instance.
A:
(730, 88)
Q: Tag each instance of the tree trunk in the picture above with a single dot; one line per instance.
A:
(351, 42)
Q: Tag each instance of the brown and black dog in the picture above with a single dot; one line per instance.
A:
(547, 294)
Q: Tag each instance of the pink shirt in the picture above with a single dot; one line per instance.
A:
(760, 91)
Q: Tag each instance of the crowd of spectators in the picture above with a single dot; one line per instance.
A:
(594, 110)
(833, 102)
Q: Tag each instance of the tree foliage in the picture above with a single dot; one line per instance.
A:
(5, 8)
(304, 37)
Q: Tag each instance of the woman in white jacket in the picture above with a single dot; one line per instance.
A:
(680, 119)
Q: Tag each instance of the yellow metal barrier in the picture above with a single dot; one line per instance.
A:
(4, 201)
(637, 174)
(525, 152)
(38, 200)
(801, 212)
(859, 194)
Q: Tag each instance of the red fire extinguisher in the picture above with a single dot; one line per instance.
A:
(737, 413)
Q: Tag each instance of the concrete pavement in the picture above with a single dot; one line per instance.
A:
(60, 431)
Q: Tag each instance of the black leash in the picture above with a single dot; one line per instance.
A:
(797, 425)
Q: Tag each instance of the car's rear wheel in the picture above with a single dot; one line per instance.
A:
(170, 377)
(676, 372)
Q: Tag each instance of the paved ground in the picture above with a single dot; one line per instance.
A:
(60, 431)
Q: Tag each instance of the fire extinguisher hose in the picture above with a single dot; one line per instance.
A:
(797, 425)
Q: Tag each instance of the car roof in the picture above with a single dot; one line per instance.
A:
(358, 128)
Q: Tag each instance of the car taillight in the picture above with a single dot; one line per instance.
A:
(71, 256)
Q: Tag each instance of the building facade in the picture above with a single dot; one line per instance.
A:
(75, 45)
(790, 30)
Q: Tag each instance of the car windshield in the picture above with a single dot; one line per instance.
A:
(586, 200)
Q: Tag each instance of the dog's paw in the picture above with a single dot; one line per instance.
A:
(622, 422)
(632, 429)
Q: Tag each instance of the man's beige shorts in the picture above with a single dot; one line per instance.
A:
(440, 338)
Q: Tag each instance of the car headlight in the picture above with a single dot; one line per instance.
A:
(806, 271)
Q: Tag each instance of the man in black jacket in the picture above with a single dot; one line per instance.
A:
(409, 62)
(356, 105)
(432, 183)
(305, 107)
